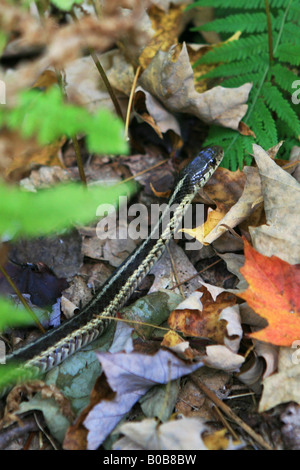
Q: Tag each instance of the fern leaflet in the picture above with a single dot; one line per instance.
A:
(271, 114)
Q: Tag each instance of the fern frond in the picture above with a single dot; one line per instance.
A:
(283, 76)
(65, 5)
(248, 60)
(236, 68)
(236, 50)
(265, 115)
(241, 4)
(232, 142)
(240, 80)
(248, 22)
(288, 54)
(281, 107)
(46, 116)
(291, 33)
(294, 13)
(260, 130)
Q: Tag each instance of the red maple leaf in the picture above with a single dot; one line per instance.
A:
(273, 293)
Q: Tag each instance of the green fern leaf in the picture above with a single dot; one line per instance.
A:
(237, 68)
(283, 77)
(65, 5)
(236, 50)
(281, 106)
(248, 22)
(242, 79)
(291, 33)
(294, 12)
(48, 117)
(246, 4)
(232, 142)
(269, 125)
(49, 211)
(248, 60)
(288, 54)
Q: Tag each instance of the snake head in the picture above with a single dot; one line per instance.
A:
(198, 172)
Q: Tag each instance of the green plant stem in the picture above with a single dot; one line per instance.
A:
(21, 298)
(107, 84)
(74, 138)
(79, 160)
(282, 25)
(270, 36)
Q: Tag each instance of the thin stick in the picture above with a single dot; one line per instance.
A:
(143, 171)
(270, 37)
(131, 100)
(107, 84)
(79, 160)
(256, 437)
(124, 320)
(74, 138)
(21, 298)
(197, 274)
(225, 423)
(175, 273)
(290, 164)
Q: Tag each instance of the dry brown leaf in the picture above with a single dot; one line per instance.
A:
(193, 402)
(245, 130)
(83, 86)
(218, 440)
(65, 43)
(172, 82)
(168, 272)
(281, 193)
(17, 394)
(18, 155)
(207, 315)
(153, 113)
(221, 357)
(295, 156)
(248, 202)
(283, 386)
(224, 189)
(167, 27)
(130, 376)
(182, 434)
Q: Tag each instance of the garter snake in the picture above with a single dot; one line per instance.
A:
(84, 327)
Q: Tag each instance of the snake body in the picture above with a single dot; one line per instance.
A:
(84, 327)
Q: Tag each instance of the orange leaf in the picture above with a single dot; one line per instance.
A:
(273, 293)
(203, 322)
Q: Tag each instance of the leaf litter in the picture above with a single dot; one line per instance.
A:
(145, 371)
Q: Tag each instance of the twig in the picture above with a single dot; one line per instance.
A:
(125, 320)
(197, 274)
(79, 160)
(16, 430)
(143, 171)
(228, 411)
(175, 273)
(270, 37)
(21, 298)
(225, 423)
(41, 428)
(130, 101)
(107, 84)
(290, 164)
(74, 138)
